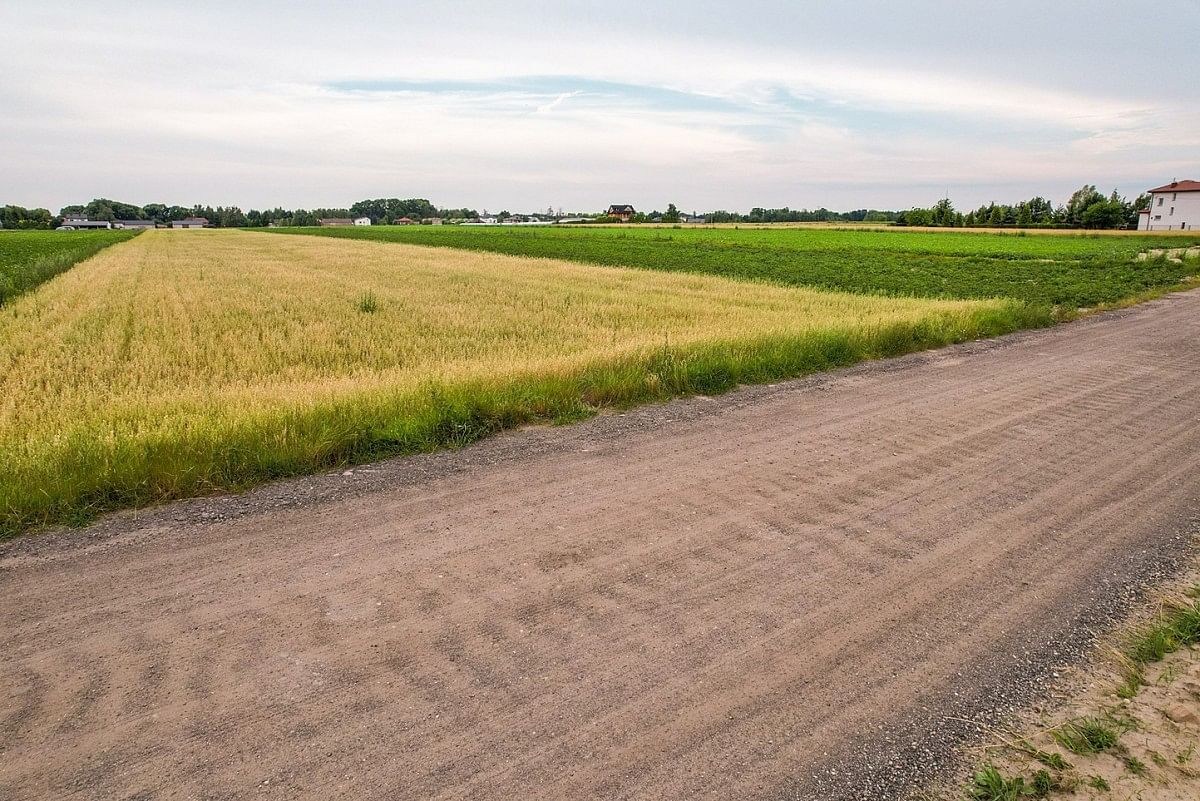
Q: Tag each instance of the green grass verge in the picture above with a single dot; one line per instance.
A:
(1177, 626)
(1090, 735)
(30, 258)
(1066, 271)
(85, 479)
(989, 784)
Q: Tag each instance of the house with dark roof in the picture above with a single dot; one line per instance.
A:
(190, 222)
(623, 212)
(136, 225)
(1173, 207)
(73, 222)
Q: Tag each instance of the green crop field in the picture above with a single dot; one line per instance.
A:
(1065, 271)
(27, 258)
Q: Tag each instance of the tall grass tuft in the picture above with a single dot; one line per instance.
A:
(368, 303)
(1177, 626)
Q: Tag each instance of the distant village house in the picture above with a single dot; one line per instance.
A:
(190, 222)
(623, 212)
(77, 221)
(136, 225)
(1173, 207)
(362, 220)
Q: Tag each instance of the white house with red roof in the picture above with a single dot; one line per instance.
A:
(1173, 207)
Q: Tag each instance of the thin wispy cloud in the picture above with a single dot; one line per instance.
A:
(556, 102)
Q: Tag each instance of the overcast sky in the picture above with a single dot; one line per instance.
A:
(521, 106)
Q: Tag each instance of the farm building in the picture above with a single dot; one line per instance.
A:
(136, 225)
(624, 212)
(405, 221)
(1173, 207)
(432, 221)
(190, 222)
(332, 221)
(81, 221)
(362, 220)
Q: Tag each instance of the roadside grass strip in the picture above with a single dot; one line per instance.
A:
(1177, 626)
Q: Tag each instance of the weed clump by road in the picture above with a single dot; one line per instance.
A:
(1144, 747)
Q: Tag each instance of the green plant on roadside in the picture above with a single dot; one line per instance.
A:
(990, 784)
(1178, 626)
(1044, 783)
(1153, 644)
(1133, 680)
(1134, 765)
(1047, 758)
(1089, 735)
(1168, 675)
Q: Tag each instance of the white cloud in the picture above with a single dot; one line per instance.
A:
(184, 105)
(556, 102)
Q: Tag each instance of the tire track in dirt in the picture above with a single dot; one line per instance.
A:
(783, 592)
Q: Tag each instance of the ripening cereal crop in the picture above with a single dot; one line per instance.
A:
(184, 362)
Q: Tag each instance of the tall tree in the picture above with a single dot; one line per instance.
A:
(1080, 200)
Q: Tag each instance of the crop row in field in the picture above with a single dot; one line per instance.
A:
(184, 362)
(28, 258)
(1062, 271)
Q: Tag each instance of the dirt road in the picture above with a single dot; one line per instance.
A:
(789, 591)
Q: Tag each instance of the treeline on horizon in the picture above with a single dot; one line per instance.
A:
(761, 215)
(383, 210)
(1087, 208)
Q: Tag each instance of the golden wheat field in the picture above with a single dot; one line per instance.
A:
(182, 362)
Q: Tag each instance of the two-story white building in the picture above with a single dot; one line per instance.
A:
(1174, 207)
